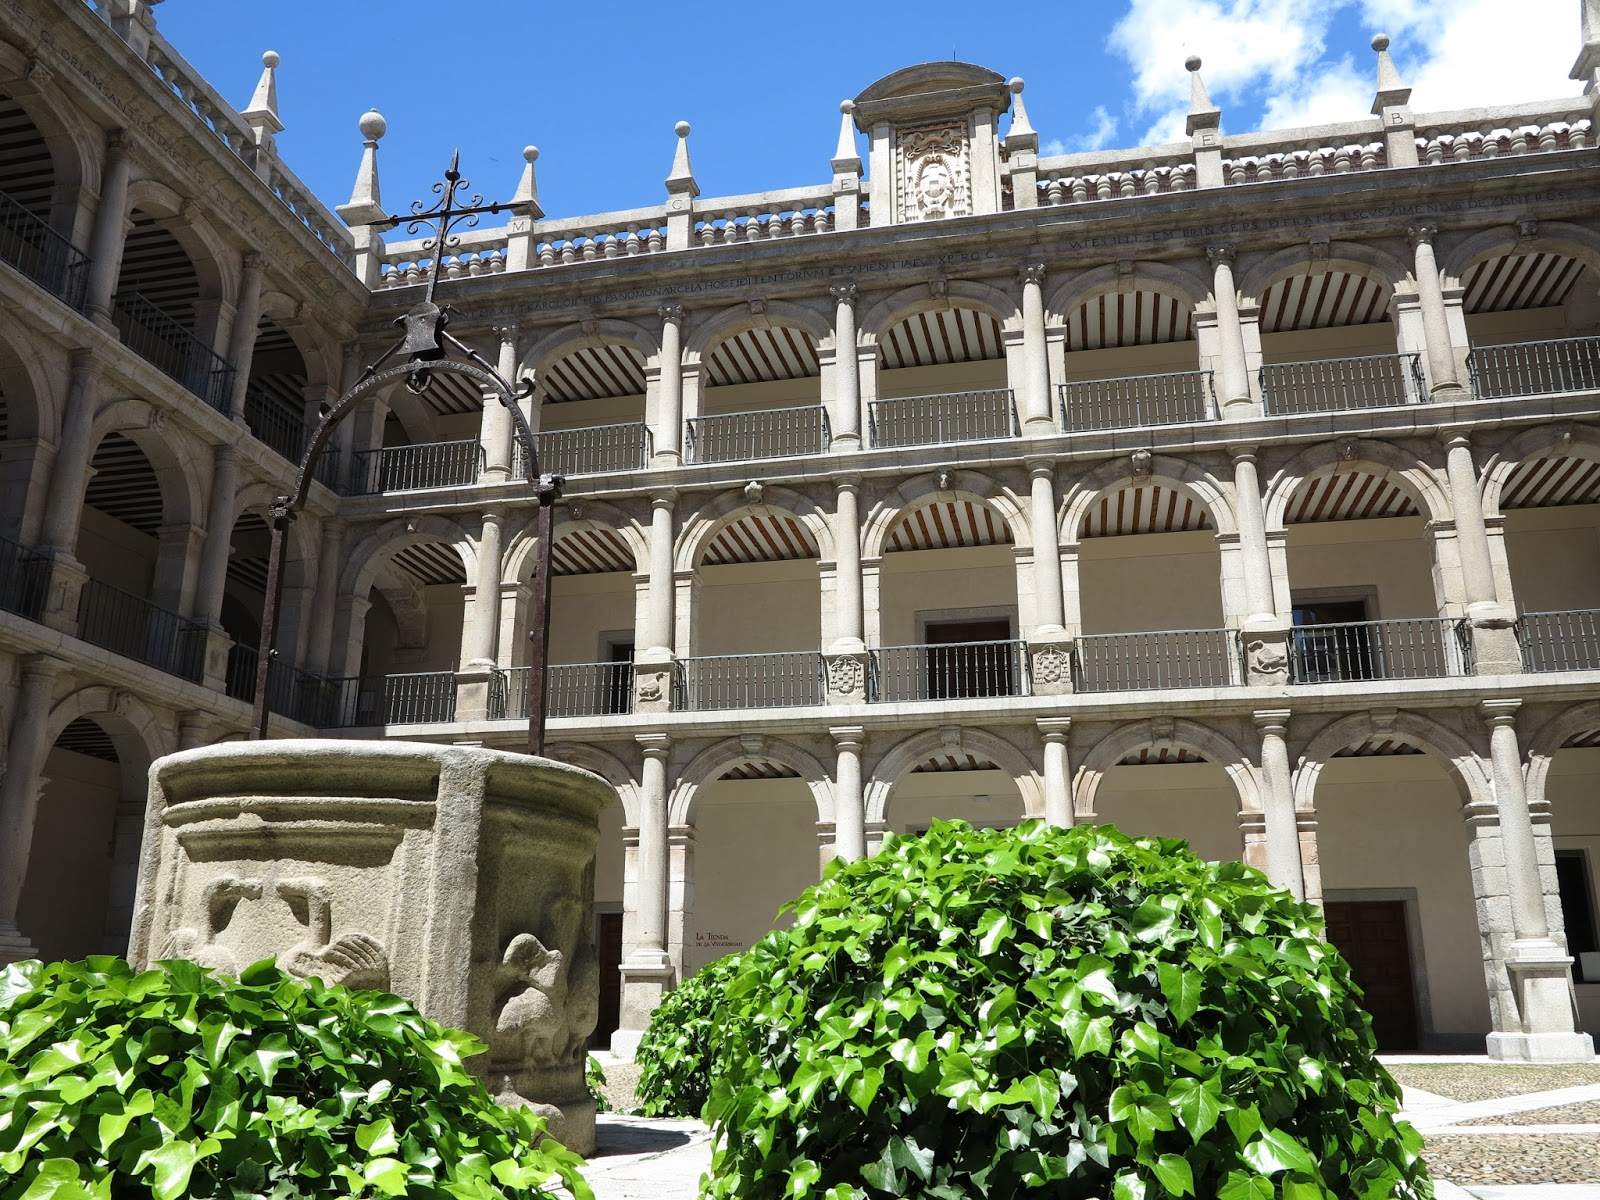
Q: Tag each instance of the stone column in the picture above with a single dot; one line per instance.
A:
(69, 476)
(1265, 634)
(647, 972)
(1494, 643)
(1440, 357)
(214, 555)
(482, 625)
(653, 659)
(1235, 382)
(1036, 418)
(177, 564)
(497, 430)
(849, 813)
(19, 794)
(847, 388)
(1049, 647)
(668, 433)
(242, 337)
(846, 658)
(110, 229)
(1284, 868)
(1057, 772)
(319, 642)
(1539, 970)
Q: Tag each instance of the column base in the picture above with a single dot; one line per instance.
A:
(13, 946)
(1541, 1047)
(475, 692)
(646, 978)
(845, 443)
(1495, 649)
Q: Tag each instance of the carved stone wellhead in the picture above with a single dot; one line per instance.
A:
(459, 878)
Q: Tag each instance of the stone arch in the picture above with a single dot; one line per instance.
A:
(1542, 441)
(180, 472)
(137, 732)
(1181, 282)
(609, 767)
(1551, 737)
(1389, 462)
(700, 526)
(735, 319)
(29, 405)
(598, 516)
(971, 485)
(1215, 747)
(1185, 476)
(710, 763)
(214, 266)
(903, 756)
(1558, 237)
(369, 555)
(319, 353)
(1466, 772)
(1355, 258)
(560, 342)
(883, 316)
(74, 144)
(407, 605)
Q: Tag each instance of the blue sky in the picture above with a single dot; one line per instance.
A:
(761, 85)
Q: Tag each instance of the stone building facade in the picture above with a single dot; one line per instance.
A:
(1244, 489)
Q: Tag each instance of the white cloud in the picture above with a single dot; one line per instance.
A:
(1105, 128)
(1333, 92)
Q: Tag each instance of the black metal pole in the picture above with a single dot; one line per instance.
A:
(537, 699)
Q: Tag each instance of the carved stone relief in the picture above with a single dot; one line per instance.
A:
(933, 173)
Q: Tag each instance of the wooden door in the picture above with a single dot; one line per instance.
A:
(608, 948)
(1371, 934)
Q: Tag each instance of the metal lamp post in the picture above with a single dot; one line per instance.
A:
(425, 344)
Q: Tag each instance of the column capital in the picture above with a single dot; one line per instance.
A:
(848, 737)
(1041, 465)
(1272, 720)
(42, 666)
(1422, 232)
(1240, 453)
(844, 291)
(224, 452)
(506, 329)
(491, 516)
(1054, 729)
(1499, 712)
(654, 745)
(1220, 255)
(670, 311)
(848, 482)
(117, 142)
(1455, 437)
(254, 260)
(665, 498)
(1033, 273)
(85, 364)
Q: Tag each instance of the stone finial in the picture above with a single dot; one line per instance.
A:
(262, 113)
(1202, 113)
(1392, 91)
(366, 203)
(526, 199)
(681, 180)
(1021, 135)
(846, 158)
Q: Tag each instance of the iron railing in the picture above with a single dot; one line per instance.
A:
(1561, 641)
(1535, 368)
(24, 578)
(133, 627)
(30, 245)
(1414, 648)
(940, 420)
(588, 450)
(291, 692)
(1340, 384)
(599, 689)
(1155, 660)
(409, 468)
(762, 433)
(164, 342)
(1174, 398)
(420, 698)
(785, 679)
(949, 671)
(280, 429)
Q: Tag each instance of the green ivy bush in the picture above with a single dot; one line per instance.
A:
(171, 1083)
(594, 1081)
(674, 1056)
(1072, 1011)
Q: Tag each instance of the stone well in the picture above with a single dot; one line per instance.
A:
(459, 878)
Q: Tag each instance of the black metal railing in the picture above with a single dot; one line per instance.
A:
(1174, 398)
(30, 245)
(420, 698)
(599, 689)
(944, 419)
(785, 679)
(409, 468)
(281, 430)
(172, 349)
(291, 692)
(1415, 648)
(588, 450)
(762, 433)
(1155, 660)
(949, 671)
(1535, 368)
(130, 625)
(24, 578)
(1340, 384)
(1561, 641)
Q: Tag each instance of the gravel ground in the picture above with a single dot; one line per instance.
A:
(1565, 1114)
(621, 1079)
(1486, 1081)
(1509, 1159)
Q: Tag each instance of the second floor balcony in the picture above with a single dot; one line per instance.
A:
(944, 419)
(1340, 384)
(30, 245)
(756, 435)
(169, 346)
(135, 628)
(413, 468)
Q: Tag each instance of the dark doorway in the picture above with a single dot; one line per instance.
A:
(608, 948)
(1333, 643)
(1371, 934)
(616, 682)
(970, 659)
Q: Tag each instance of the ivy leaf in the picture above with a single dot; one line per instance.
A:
(1181, 988)
(1276, 1151)
(994, 927)
(378, 1138)
(388, 1175)
(1239, 1186)
(1128, 1187)
(864, 1087)
(1152, 920)
(171, 1164)
(1198, 1107)
(802, 1176)
(58, 1179)
(1175, 1174)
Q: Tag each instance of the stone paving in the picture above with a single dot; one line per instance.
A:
(1493, 1132)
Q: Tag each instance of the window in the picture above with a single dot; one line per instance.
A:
(616, 677)
(970, 658)
(1331, 643)
(1577, 912)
